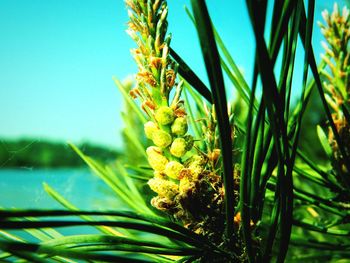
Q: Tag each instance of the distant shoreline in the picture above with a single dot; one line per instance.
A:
(33, 154)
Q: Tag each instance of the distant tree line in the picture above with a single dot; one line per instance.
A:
(47, 154)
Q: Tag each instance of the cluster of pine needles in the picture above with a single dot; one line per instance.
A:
(208, 180)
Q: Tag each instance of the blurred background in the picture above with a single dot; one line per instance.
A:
(57, 59)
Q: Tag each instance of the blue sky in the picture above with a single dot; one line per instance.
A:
(57, 59)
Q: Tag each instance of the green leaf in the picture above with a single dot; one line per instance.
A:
(324, 141)
(131, 220)
(59, 198)
(313, 66)
(129, 100)
(277, 100)
(187, 73)
(31, 251)
(213, 67)
(233, 72)
(119, 188)
(112, 243)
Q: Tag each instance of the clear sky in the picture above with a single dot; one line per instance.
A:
(57, 59)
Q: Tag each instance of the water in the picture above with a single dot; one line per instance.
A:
(22, 188)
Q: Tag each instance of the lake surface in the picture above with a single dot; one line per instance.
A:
(23, 188)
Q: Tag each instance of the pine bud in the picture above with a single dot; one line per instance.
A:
(155, 158)
(153, 150)
(164, 188)
(163, 203)
(173, 169)
(164, 115)
(161, 138)
(179, 127)
(178, 147)
(150, 127)
(158, 174)
(185, 187)
(196, 164)
(214, 155)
